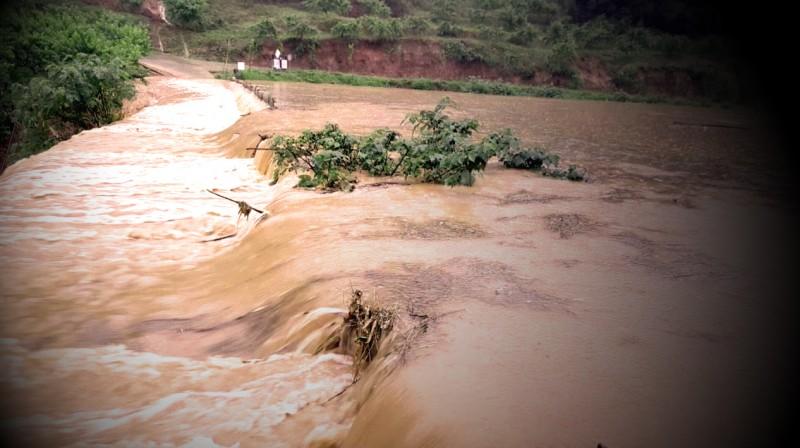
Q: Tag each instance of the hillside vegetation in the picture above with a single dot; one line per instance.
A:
(628, 46)
(67, 65)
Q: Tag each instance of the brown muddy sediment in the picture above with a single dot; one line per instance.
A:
(612, 312)
(132, 330)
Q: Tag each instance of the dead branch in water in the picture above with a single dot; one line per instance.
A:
(220, 238)
(365, 326)
(244, 207)
(263, 138)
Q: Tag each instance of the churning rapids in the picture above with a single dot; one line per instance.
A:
(617, 311)
(97, 218)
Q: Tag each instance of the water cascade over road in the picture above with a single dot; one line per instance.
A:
(633, 310)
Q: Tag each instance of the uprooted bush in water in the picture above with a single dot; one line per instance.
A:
(365, 327)
(441, 150)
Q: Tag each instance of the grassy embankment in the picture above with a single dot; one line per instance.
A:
(463, 86)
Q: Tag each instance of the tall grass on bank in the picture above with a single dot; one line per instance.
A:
(464, 86)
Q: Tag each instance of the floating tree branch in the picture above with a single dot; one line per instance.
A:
(244, 207)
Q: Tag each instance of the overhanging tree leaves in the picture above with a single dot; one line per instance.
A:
(63, 69)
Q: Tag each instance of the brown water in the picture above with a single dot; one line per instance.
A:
(617, 311)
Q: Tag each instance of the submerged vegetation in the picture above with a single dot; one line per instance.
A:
(365, 326)
(440, 150)
(63, 69)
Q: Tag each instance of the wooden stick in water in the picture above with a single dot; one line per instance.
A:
(239, 203)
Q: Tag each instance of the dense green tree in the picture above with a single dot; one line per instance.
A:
(188, 13)
(376, 8)
(340, 7)
(381, 30)
(63, 69)
(265, 29)
(347, 30)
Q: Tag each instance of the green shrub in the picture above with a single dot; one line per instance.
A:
(304, 47)
(347, 30)
(63, 69)
(301, 36)
(510, 19)
(415, 26)
(461, 52)
(524, 37)
(374, 150)
(572, 173)
(514, 63)
(561, 58)
(447, 29)
(187, 13)
(490, 33)
(556, 33)
(265, 30)
(441, 150)
(597, 33)
(376, 8)
(340, 7)
(297, 29)
(512, 154)
(328, 157)
(380, 30)
(535, 11)
(444, 10)
(85, 90)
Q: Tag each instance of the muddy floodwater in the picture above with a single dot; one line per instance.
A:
(638, 309)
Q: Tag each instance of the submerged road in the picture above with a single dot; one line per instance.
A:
(642, 309)
(90, 230)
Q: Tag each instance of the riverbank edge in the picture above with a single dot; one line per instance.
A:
(476, 86)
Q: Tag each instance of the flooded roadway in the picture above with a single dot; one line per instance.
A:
(617, 312)
(95, 220)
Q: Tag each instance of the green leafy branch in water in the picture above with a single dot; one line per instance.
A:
(329, 155)
(441, 150)
(573, 173)
(512, 154)
(375, 149)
